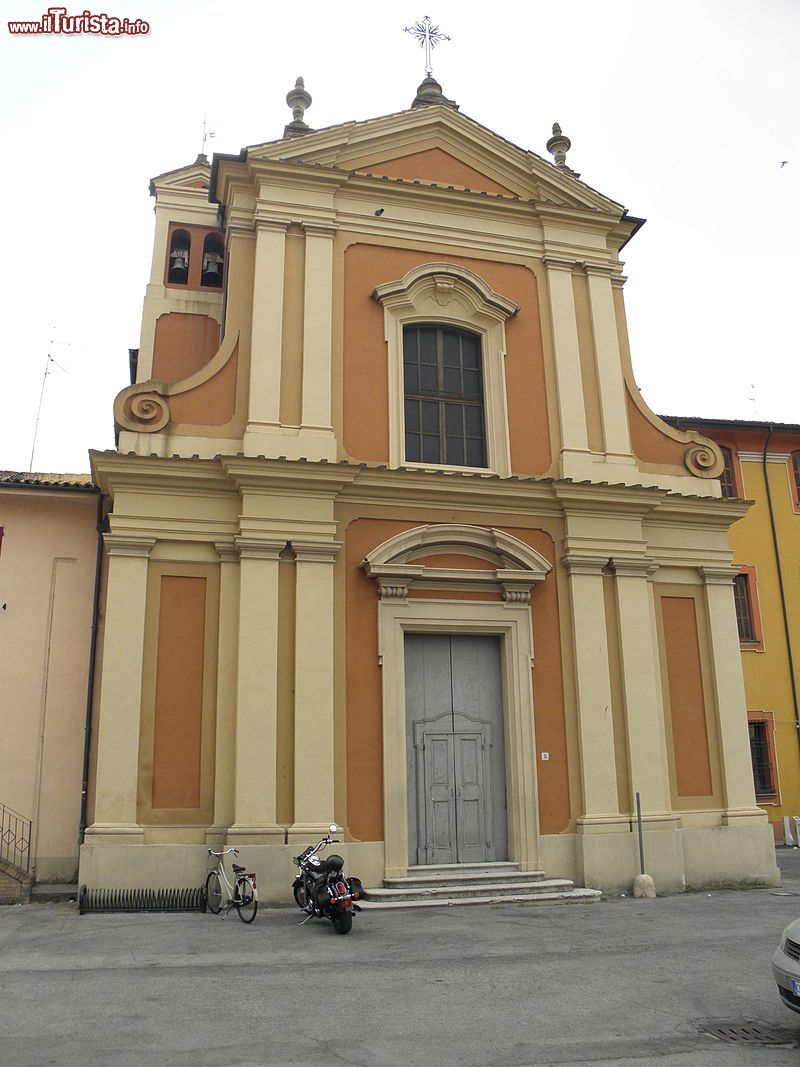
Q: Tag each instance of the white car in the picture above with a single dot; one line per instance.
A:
(786, 966)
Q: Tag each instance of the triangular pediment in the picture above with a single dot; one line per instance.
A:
(437, 145)
(435, 165)
(194, 178)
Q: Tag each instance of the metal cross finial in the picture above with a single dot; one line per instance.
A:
(428, 36)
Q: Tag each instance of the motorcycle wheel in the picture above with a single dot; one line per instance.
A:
(343, 922)
(300, 896)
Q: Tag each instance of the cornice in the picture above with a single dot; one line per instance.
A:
(254, 473)
(315, 551)
(578, 563)
(717, 575)
(259, 547)
(118, 544)
(633, 566)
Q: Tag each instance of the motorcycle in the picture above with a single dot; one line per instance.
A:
(322, 890)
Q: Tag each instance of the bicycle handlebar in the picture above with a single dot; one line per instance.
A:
(225, 852)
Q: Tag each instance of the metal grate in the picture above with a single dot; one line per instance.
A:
(750, 1034)
(131, 900)
(791, 948)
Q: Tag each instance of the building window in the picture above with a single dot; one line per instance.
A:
(213, 258)
(727, 479)
(747, 611)
(443, 396)
(446, 325)
(179, 249)
(762, 755)
(795, 474)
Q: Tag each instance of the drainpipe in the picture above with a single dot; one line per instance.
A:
(87, 734)
(776, 547)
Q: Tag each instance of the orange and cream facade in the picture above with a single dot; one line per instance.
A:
(395, 541)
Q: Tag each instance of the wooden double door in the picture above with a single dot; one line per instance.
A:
(455, 749)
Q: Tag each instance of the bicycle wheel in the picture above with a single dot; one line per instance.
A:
(245, 900)
(213, 893)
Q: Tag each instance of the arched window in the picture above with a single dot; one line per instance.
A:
(443, 396)
(179, 249)
(213, 259)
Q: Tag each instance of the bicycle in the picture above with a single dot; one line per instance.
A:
(242, 895)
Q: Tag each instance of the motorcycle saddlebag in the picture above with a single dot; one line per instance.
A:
(357, 890)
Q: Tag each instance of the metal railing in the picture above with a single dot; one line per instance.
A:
(15, 838)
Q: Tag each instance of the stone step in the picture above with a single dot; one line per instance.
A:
(456, 891)
(423, 881)
(54, 892)
(498, 869)
(570, 896)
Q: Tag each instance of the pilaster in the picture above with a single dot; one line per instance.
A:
(593, 691)
(313, 701)
(737, 772)
(609, 363)
(255, 788)
(317, 325)
(267, 333)
(571, 406)
(647, 745)
(225, 755)
(121, 691)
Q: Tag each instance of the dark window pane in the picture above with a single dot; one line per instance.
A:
(452, 349)
(429, 379)
(427, 346)
(430, 416)
(455, 450)
(411, 378)
(471, 351)
(796, 471)
(475, 453)
(412, 415)
(431, 450)
(412, 448)
(453, 420)
(473, 417)
(472, 384)
(409, 346)
(452, 381)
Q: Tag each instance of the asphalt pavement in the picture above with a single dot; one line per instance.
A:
(625, 982)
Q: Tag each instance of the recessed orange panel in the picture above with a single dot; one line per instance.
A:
(179, 693)
(366, 386)
(686, 699)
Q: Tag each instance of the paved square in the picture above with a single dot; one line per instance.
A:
(624, 982)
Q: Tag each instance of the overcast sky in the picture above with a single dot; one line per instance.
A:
(682, 111)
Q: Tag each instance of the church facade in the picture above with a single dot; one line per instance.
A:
(395, 541)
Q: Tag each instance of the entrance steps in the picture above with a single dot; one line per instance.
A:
(478, 883)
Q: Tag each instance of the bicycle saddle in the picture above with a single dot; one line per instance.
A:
(237, 868)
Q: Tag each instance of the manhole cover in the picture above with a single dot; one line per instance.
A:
(750, 1033)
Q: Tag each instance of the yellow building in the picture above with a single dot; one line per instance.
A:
(395, 540)
(762, 464)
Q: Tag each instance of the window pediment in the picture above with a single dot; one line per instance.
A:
(396, 564)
